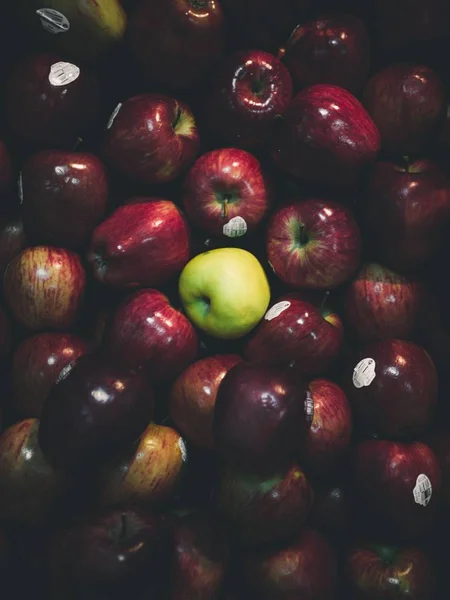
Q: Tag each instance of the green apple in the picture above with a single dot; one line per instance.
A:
(225, 292)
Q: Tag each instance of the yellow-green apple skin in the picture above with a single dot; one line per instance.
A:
(225, 292)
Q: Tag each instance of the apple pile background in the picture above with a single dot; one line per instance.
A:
(322, 472)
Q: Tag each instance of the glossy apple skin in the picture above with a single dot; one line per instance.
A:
(302, 336)
(386, 473)
(313, 244)
(401, 399)
(333, 511)
(264, 509)
(152, 139)
(333, 49)
(306, 568)
(385, 572)
(5, 335)
(36, 364)
(408, 104)
(148, 474)
(44, 287)
(29, 485)
(251, 91)
(140, 244)
(147, 332)
(12, 240)
(64, 196)
(406, 212)
(440, 444)
(381, 304)
(224, 184)
(49, 115)
(275, 435)
(326, 138)
(192, 397)
(94, 410)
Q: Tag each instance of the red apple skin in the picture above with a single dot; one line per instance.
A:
(401, 400)
(147, 332)
(381, 304)
(386, 475)
(264, 509)
(306, 568)
(224, 184)
(302, 335)
(385, 572)
(192, 397)
(49, 115)
(5, 335)
(313, 244)
(406, 212)
(160, 34)
(12, 240)
(36, 364)
(326, 138)
(64, 196)
(152, 139)
(333, 49)
(44, 287)
(440, 444)
(141, 244)
(251, 91)
(408, 104)
(330, 433)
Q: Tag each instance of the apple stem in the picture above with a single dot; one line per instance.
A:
(225, 208)
(324, 299)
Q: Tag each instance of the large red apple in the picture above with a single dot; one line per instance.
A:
(140, 244)
(313, 244)
(151, 138)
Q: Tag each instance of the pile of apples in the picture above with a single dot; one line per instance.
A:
(224, 332)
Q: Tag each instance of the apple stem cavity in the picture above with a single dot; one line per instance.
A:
(123, 527)
(199, 3)
(225, 207)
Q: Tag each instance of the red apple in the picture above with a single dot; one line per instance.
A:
(251, 91)
(400, 484)
(380, 304)
(12, 240)
(227, 193)
(37, 362)
(64, 196)
(192, 397)
(313, 244)
(303, 335)
(408, 104)
(151, 138)
(140, 244)
(148, 332)
(393, 388)
(440, 444)
(334, 48)
(326, 138)
(44, 287)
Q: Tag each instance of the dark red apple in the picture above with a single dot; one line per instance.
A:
(12, 240)
(227, 193)
(36, 364)
(393, 388)
(5, 335)
(303, 335)
(151, 138)
(380, 304)
(6, 177)
(333, 509)
(400, 484)
(140, 244)
(177, 42)
(260, 416)
(251, 91)
(193, 395)
(440, 444)
(264, 509)
(64, 196)
(305, 568)
(326, 138)
(407, 103)
(406, 212)
(29, 485)
(376, 571)
(313, 244)
(50, 101)
(148, 332)
(93, 411)
(332, 49)
(44, 287)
